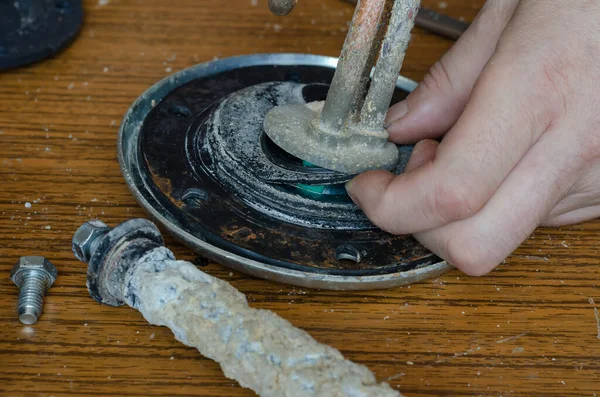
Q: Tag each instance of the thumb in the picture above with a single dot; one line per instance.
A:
(366, 189)
(440, 98)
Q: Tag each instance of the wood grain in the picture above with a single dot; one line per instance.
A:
(527, 329)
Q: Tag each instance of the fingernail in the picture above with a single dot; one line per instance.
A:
(349, 186)
(396, 113)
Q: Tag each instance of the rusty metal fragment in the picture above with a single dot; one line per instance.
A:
(282, 7)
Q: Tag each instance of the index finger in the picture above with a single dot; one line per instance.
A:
(488, 140)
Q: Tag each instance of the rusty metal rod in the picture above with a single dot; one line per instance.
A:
(436, 23)
(355, 62)
(440, 24)
(389, 63)
(427, 19)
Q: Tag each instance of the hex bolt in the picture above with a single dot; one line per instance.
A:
(86, 237)
(33, 275)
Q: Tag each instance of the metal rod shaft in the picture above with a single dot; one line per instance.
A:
(434, 22)
(440, 24)
(391, 57)
(356, 61)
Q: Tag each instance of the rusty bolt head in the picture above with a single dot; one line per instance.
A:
(84, 238)
(33, 263)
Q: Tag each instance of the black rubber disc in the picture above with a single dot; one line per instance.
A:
(32, 30)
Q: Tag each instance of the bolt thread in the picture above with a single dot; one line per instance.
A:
(31, 297)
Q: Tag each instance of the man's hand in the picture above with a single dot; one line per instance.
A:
(517, 101)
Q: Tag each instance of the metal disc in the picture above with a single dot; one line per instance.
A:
(164, 160)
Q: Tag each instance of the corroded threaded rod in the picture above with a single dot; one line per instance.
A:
(259, 349)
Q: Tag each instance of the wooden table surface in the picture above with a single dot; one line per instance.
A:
(531, 328)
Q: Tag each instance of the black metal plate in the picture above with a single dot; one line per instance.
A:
(207, 210)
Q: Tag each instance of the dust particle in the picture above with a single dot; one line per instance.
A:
(596, 314)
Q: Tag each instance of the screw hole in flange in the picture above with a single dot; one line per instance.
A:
(348, 253)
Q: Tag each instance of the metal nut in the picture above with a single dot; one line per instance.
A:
(84, 238)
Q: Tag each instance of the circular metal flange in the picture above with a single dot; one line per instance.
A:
(296, 128)
(36, 29)
(157, 152)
